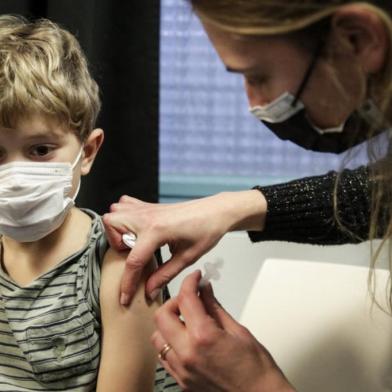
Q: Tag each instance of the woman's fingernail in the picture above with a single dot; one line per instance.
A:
(154, 294)
(124, 300)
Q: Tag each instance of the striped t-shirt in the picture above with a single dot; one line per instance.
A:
(50, 329)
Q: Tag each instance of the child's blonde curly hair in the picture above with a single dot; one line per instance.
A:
(44, 71)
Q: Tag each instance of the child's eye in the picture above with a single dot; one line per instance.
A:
(41, 150)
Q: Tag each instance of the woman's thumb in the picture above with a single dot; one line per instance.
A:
(215, 309)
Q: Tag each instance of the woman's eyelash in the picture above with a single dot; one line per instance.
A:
(255, 79)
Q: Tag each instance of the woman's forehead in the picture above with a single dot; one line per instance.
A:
(243, 53)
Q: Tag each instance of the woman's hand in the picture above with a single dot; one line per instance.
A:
(208, 350)
(190, 229)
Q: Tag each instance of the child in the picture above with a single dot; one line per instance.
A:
(61, 325)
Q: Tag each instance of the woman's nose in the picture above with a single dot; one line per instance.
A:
(256, 95)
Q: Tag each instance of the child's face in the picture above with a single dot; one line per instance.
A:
(40, 139)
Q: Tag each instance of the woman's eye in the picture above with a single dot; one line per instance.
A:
(255, 80)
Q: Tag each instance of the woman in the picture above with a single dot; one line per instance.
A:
(317, 73)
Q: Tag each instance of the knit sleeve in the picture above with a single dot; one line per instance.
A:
(303, 210)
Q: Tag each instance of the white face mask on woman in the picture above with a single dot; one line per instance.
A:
(34, 198)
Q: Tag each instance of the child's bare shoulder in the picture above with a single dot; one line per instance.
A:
(113, 266)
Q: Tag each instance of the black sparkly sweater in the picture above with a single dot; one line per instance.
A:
(303, 210)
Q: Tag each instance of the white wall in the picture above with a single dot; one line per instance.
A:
(242, 261)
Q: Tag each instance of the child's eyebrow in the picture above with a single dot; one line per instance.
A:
(45, 134)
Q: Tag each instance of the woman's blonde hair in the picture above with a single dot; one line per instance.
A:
(44, 71)
(291, 18)
(296, 19)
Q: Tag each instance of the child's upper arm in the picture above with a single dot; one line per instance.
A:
(128, 359)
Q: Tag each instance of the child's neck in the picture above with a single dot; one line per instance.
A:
(25, 262)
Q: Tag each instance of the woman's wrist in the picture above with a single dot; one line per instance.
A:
(245, 210)
(274, 382)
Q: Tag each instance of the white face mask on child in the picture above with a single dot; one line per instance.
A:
(34, 198)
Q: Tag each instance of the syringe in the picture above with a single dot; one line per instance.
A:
(211, 272)
(211, 268)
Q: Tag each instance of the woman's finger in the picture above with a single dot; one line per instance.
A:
(114, 230)
(170, 326)
(138, 258)
(165, 351)
(167, 271)
(170, 361)
(190, 304)
(129, 200)
(216, 311)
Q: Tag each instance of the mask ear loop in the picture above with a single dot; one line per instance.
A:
(309, 71)
(77, 159)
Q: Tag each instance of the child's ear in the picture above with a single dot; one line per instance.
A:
(90, 149)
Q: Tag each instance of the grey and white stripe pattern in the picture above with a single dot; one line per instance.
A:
(50, 330)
